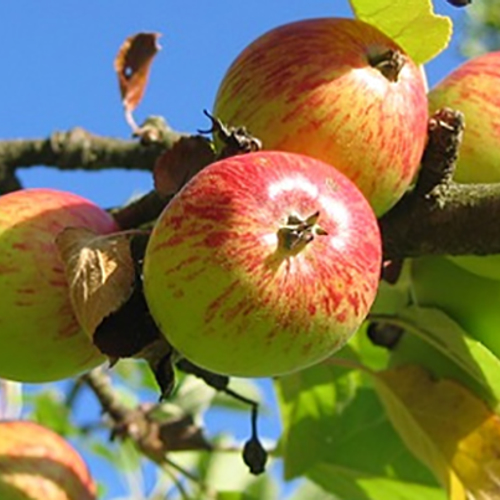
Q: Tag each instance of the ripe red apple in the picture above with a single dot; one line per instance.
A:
(338, 90)
(38, 464)
(471, 300)
(472, 89)
(40, 339)
(263, 264)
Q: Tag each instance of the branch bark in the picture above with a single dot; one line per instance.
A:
(438, 216)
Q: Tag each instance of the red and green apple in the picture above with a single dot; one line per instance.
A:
(40, 339)
(263, 264)
(338, 90)
(38, 464)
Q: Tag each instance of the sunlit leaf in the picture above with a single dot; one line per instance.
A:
(405, 21)
(349, 484)
(447, 427)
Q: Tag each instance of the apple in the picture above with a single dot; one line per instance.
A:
(338, 90)
(40, 339)
(472, 89)
(263, 264)
(38, 464)
(470, 300)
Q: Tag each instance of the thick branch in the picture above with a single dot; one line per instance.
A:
(440, 216)
(460, 220)
(437, 217)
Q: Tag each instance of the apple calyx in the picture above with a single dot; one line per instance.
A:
(298, 232)
(389, 63)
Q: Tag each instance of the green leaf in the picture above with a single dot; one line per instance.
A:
(103, 450)
(336, 432)
(352, 485)
(436, 328)
(311, 491)
(50, 410)
(306, 399)
(405, 21)
(447, 427)
(236, 495)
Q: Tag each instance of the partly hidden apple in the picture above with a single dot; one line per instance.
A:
(38, 464)
(40, 339)
(263, 264)
(338, 90)
(472, 88)
(470, 300)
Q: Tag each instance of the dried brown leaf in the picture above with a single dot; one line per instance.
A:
(132, 66)
(100, 273)
(180, 163)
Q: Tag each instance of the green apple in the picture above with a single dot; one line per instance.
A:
(471, 300)
(472, 88)
(38, 464)
(338, 90)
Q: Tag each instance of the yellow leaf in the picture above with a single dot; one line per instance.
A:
(406, 21)
(100, 273)
(447, 427)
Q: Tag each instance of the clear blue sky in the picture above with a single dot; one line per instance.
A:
(57, 73)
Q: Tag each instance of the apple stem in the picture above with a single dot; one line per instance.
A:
(298, 232)
(389, 63)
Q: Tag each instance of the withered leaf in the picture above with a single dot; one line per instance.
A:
(180, 163)
(132, 66)
(100, 273)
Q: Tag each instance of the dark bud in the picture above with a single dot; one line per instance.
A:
(384, 335)
(391, 269)
(255, 456)
(459, 3)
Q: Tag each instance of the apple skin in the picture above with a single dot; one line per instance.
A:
(471, 300)
(38, 464)
(308, 87)
(472, 89)
(232, 300)
(40, 339)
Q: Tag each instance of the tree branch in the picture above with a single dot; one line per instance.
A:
(438, 216)
(79, 149)
(155, 437)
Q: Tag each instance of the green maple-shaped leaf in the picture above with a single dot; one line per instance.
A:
(405, 21)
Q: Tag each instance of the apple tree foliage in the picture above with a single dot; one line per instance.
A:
(408, 409)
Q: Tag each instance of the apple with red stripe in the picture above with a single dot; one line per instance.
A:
(472, 89)
(40, 339)
(263, 264)
(38, 464)
(338, 90)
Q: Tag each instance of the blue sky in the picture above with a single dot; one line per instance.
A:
(57, 73)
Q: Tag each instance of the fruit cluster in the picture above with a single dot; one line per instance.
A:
(265, 262)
